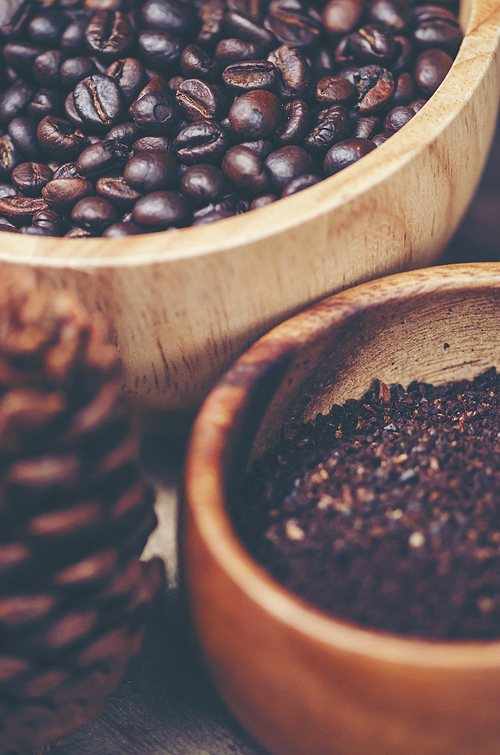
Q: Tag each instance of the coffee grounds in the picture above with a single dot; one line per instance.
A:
(386, 512)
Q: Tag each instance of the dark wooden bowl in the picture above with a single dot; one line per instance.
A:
(302, 682)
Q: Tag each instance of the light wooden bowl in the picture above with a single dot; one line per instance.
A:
(302, 682)
(181, 305)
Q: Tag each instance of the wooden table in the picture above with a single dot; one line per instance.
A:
(166, 705)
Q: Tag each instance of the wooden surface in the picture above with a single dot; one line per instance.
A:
(166, 705)
(182, 304)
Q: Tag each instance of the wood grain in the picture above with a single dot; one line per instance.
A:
(299, 680)
(182, 304)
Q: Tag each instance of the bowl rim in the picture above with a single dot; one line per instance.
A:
(210, 442)
(480, 20)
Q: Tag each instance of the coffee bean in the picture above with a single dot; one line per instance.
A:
(6, 226)
(251, 74)
(161, 210)
(211, 15)
(20, 209)
(212, 217)
(375, 87)
(23, 134)
(255, 115)
(437, 27)
(346, 153)
(294, 124)
(397, 118)
(293, 72)
(46, 68)
(198, 100)
(263, 201)
(431, 66)
(372, 43)
(299, 184)
(7, 190)
(167, 15)
(285, 164)
(294, 28)
(154, 109)
(45, 102)
(46, 28)
(404, 90)
(73, 37)
(109, 35)
(73, 70)
(262, 147)
(94, 214)
(120, 230)
(77, 233)
(14, 100)
(151, 171)
(20, 56)
(381, 138)
(9, 156)
(335, 90)
(98, 101)
(332, 125)
(203, 141)
(159, 50)
(231, 50)
(394, 14)
(101, 157)
(59, 138)
(197, 64)
(63, 193)
(341, 16)
(403, 55)
(153, 142)
(245, 171)
(247, 30)
(117, 191)
(50, 221)
(365, 128)
(129, 76)
(125, 133)
(30, 178)
(202, 184)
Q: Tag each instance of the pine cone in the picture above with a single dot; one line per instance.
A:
(74, 518)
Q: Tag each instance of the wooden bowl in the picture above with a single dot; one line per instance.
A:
(181, 305)
(302, 682)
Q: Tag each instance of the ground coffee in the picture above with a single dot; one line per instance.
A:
(120, 117)
(386, 512)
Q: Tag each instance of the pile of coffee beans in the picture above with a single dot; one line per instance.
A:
(386, 512)
(120, 117)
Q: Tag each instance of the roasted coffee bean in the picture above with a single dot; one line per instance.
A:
(94, 214)
(63, 193)
(417, 105)
(198, 100)
(6, 226)
(294, 73)
(285, 164)
(67, 170)
(263, 201)
(381, 138)
(153, 142)
(73, 37)
(227, 204)
(431, 66)
(203, 184)
(117, 191)
(300, 183)
(255, 115)
(14, 100)
(9, 156)
(151, 171)
(30, 178)
(294, 124)
(346, 153)
(14, 18)
(20, 209)
(332, 125)
(109, 35)
(70, 112)
(154, 109)
(245, 170)
(397, 118)
(73, 70)
(46, 28)
(32, 230)
(437, 27)
(404, 90)
(46, 68)
(230, 51)
(212, 217)
(124, 133)
(101, 157)
(294, 28)
(341, 16)
(375, 87)
(197, 64)
(51, 221)
(7, 190)
(262, 147)
(251, 74)
(129, 76)
(244, 28)
(98, 101)
(167, 15)
(201, 142)
(59, 139)
(23, 134)
(403, 55)
(161, 210)
(394, 14)
(372, 43)
(335, 90)
(45, 102)
(77, 233)
(159, 50)
(120, 230)
(365, 128)
(20, 56)
(211, 14)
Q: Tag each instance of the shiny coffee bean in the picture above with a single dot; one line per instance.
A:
(202, 184)
(7, 190)
(5, 225)
(129, 76)
(285, 164)
(417, 105)
(20, 210)
(201, 142)
(211, 15)
(245, 171)
(341, 16)
(167, 15)
(98, 101)
(151, 171)
(262, 147)
(294, 124)
(300, 183)
(66, 170)
(45, 102)
(30, 178)
(9, 156)
(365, 128)
(70, 111)
(161, 210)
(32, 230)
(101, 157)
(117, 191)
(263, 201)
(335, 90)
(373, 43)
(229, 51)
(255, 115)
(21, 56)
(195, 63)
(125, 133)
(294, 73)
(23, 134)
(332, 125)
(396, 15)
(73, 37)
(250, 74)
(381, 138)
(46, 68)
(375, 87)
(46, 28)
(213, 217)
(300, 29)
(240, 26)
(94, 214)
(403, 55)
(62, 194)
(59, 139)
(198, 100)
(430, 69)
(159, 50)
(51, 221)
(14, 100)
(75, 69)
(346, 153)
(153, 143)
(77, 233)
(120, 230)
(155, 109)
(397, 118)
(404, 90)
(109, 35)
(437, 27)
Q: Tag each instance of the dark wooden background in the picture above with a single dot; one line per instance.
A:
(166, 705)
